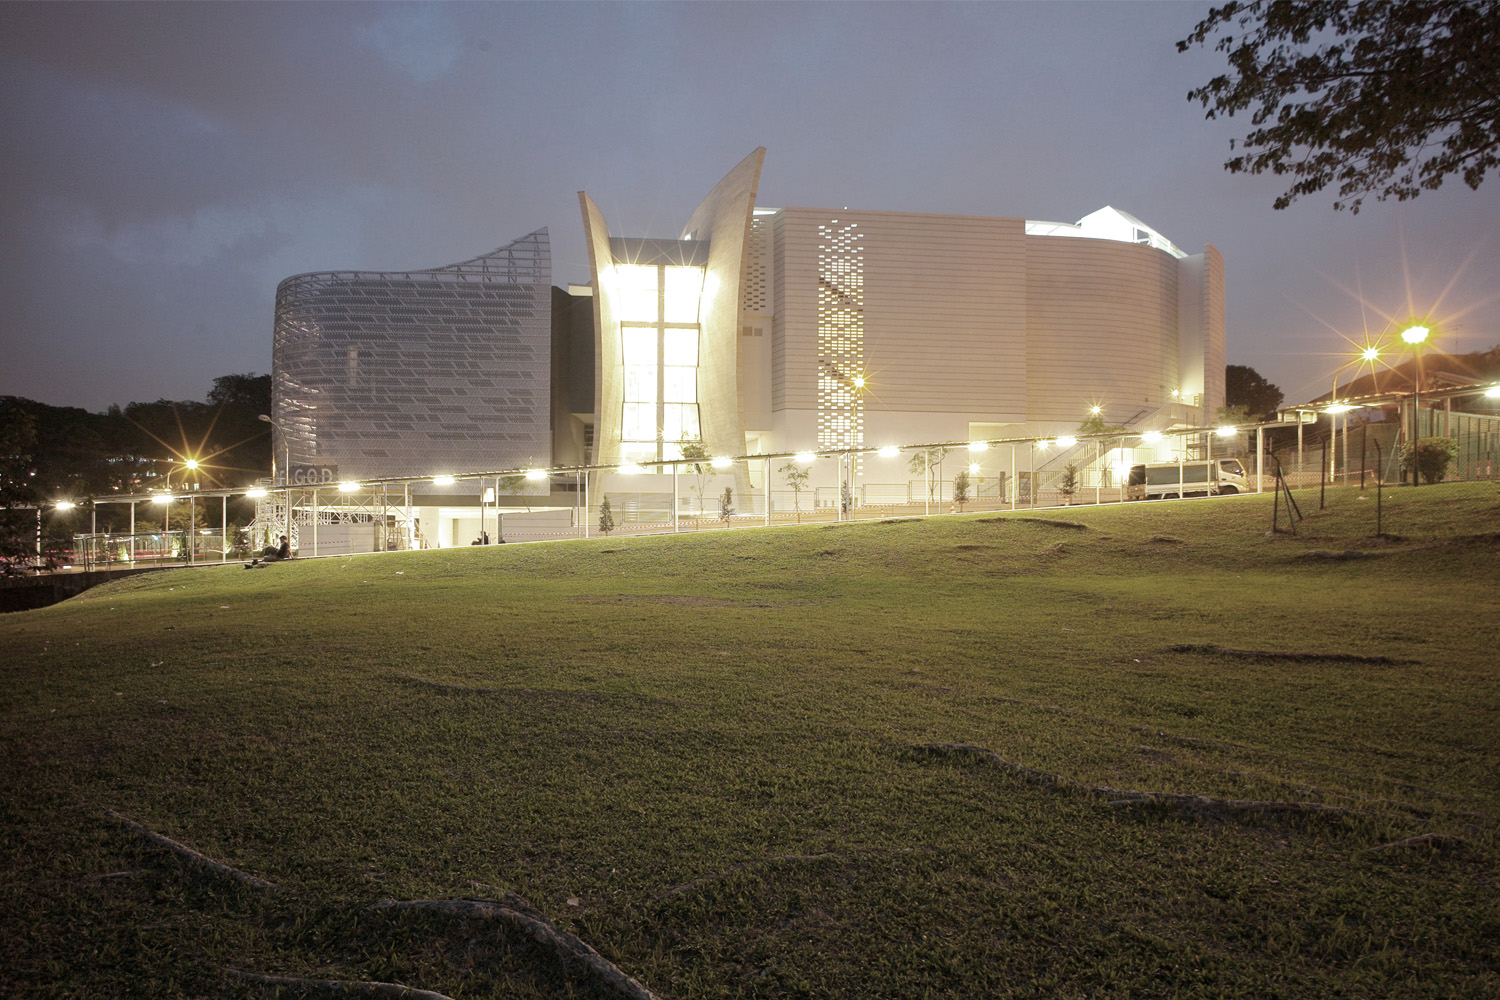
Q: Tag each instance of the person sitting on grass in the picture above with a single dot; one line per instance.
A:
(272, 553)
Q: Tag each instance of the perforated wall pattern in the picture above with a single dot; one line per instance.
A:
(841, 335)
(417, 372)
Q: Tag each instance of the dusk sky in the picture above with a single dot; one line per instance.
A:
(163, 167)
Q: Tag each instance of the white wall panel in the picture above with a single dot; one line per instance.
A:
(1102, 329)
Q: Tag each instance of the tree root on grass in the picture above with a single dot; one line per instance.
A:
(1263, 654)
(514, 910)
(1120, 797)
(376, 991)
(192, 856)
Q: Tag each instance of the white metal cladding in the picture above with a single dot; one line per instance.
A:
(972, 318)
(1102, 328)
(401, 373)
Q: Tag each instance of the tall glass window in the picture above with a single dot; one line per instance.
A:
(659, 331)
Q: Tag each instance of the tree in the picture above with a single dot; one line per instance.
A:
(922, 463)
(17, 527)
(961, 489)
(1244, 386)
(1068, 485)
(726, 504)
(694, 451)
(796, 481)
(1382, 97)
(606, 517)
(1095, 425)
(1431, 456)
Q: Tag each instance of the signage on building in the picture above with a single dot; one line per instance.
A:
(314, 475)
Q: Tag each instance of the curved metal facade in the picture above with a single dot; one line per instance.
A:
(429, 372)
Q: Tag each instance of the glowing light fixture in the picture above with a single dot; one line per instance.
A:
(535, 474)
(256, 493)
(805, 457)
(859, 381)
(191, 463)
(974, 468)
(891, 451)
(721, 462)
(65, 505)
(162, 498)
(1370, 354)
(1176, 393)
(348, 486)
(1227, 430)
(1493, 392)
(976, 446)
(1338, 408)
(1151, 437)
(631, 469)
(1096, 409)
(1415, 334)
(442, 480)
(1067, 441)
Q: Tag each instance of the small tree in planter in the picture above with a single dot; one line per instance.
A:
(961, 489)
(796, 481)
(694, 451)
(922, 463)
(606, 517)
(1431, 456)
(1068, 485)
(726, 505)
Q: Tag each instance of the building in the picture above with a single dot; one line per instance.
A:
(755, 332)
(777, 330)
(446, 370)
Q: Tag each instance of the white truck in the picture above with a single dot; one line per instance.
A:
(1211, 477)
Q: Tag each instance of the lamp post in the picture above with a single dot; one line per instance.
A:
(191, 465)
(286, 444)
(1367, 356)
(1416, 336)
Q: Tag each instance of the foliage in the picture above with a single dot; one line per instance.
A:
(1432, 456)
(694, 451)
(606, 517)
(1068, 484)
(923, 462)
(1379, 97)
(135, 448)
(1095, 424)
(796, 480)
(726, 504)
(726, 761)
(17, 487)
(961, 488)
(1246, 388)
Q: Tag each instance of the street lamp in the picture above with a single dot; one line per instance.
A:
(1416, 336)
(286, 443)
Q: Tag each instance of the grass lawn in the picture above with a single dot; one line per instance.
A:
(880, 759)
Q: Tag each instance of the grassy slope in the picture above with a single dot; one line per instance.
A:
(700, 754)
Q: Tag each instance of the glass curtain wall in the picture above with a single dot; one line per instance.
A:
(659, 331)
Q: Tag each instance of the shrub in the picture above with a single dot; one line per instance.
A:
(1431, 455)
